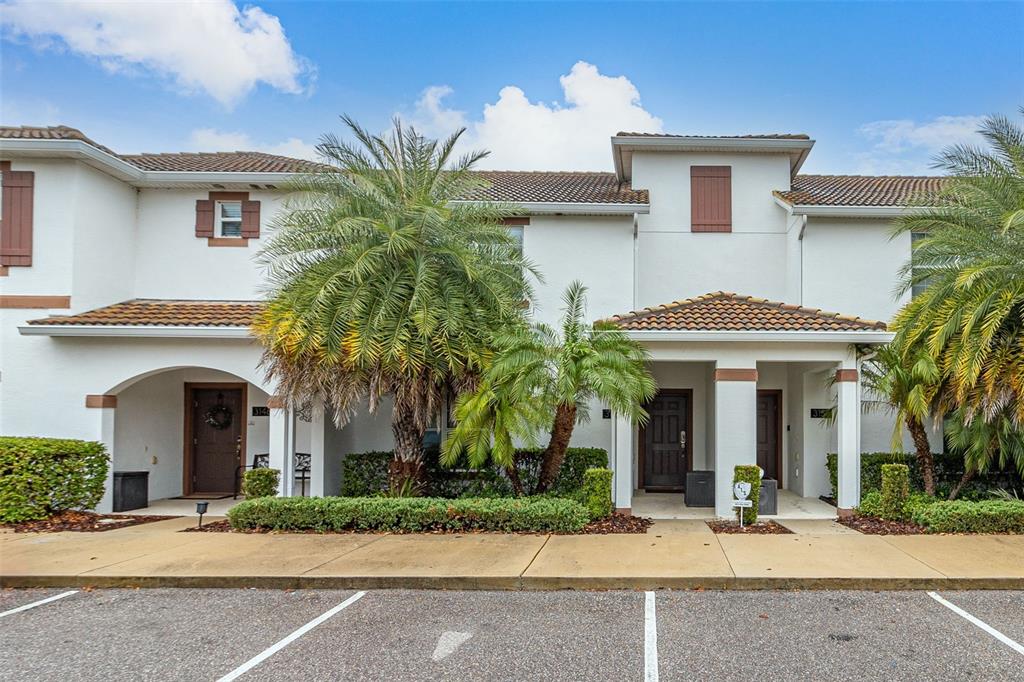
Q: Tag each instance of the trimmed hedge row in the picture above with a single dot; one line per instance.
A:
(949, 468)
(365, 474)
(961, 516)
(542, 514)
(42, 476)
(895, 490)
(597, 493)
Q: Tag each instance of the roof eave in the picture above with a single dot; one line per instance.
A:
(137, 331)
(576, 208)
(868, 336)
(797, 149)
(825, 210)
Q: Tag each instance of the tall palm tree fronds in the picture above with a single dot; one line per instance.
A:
(970, 317)
(382, 283)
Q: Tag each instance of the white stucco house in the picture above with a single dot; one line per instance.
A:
(127, 283)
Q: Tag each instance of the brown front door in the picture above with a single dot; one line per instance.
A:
(667, 439)
(768, 450)
(217, 416)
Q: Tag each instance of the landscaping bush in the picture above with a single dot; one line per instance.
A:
(963, 516)
(597, 493)
(365, 474)
(751, 473)
(949, 467)
(260, 483)
(42, 476)
(895, 491)
(871, 505)
(415, 514)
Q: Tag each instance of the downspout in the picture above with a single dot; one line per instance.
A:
(636, 260)
(800, 238)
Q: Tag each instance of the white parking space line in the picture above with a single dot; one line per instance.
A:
(650, 639)
(267, 653)
(1016, 646)
(34, 604)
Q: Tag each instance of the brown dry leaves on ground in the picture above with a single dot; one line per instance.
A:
(872, 525)
(761, 528)
(81, 522)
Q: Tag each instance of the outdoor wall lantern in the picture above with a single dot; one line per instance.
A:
(201, 509)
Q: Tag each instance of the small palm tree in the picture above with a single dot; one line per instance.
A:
(908, 384)
(536, 372)
(381, 285)
(985, 444)
(970, 317)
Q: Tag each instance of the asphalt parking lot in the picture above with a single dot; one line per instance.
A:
(192, 634)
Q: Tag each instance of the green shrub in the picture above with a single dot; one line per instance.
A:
(871, 504)
(42, 476)
(751, 473)
(365, 474)
(963, 516)
(414, 514)
(949, 467)
(260, 483)
(895, 491)
(597, 493)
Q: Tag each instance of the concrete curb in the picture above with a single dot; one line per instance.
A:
(515, 583)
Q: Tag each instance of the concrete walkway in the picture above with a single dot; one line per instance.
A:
(673, 554)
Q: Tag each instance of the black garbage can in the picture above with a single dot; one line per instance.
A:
(131, 490)
(700, 489)
(768, 502)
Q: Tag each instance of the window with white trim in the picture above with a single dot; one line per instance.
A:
(918, 286)
(228, 219)
(516, 232)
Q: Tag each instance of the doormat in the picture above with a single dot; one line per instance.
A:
(204, 496)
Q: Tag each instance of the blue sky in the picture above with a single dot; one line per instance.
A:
(880, 86)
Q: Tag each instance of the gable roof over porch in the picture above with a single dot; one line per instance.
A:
(153, 317)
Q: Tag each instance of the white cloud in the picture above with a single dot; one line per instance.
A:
(525, 135)
(909, 147)
(211, 46)
(211, 140)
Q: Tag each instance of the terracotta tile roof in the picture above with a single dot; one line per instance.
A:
(49, 133)
(218, 162)
(164, 313)
(568, 187)
(724, 311)
(765, 136)
(860, 190)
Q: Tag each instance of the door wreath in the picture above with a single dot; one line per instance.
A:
(219, 416)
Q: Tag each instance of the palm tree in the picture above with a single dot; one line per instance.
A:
(970, 317)
(382, 285)
(537, 371)
(908, 385)
(985, 444)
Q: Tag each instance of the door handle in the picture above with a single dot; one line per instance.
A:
(682, 439)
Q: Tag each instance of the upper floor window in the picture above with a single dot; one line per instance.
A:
(918, 286)
(229, 218)
(516, 232)
(711, 198)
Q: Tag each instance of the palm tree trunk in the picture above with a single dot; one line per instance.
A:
(964, 480)
(513, 476)
(925, 461)
(554, 455)
(406, 468)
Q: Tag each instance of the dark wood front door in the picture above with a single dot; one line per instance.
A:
(768, 443)
(667, 439)
(217, 415)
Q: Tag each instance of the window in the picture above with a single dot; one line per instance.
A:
(711, 198)
(516, 232)
(916, 269)
(229, 218)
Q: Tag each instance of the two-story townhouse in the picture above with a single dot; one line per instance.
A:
(127, 283)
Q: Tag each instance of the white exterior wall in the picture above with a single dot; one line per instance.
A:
(675, 263)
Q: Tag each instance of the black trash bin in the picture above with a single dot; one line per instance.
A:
(700, 489)
(131, 490)
(768, 502)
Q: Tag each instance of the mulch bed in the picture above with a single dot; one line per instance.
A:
(872, 525)
(614, 524)
(81, 522)
(760, 528)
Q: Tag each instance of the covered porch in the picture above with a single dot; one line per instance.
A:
(743, 381)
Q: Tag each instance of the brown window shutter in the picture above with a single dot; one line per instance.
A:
(16, 220)
(711, 198)
(204, 217)
(251, 219)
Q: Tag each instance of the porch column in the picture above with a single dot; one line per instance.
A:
(282, 443)
(848, 432)
(735, 427)
(317, 452)
(622, 464)
(104, 408)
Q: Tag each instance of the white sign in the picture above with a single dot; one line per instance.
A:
(741, 489)
(743, 503)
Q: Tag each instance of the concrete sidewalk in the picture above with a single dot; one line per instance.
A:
(673, 554)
